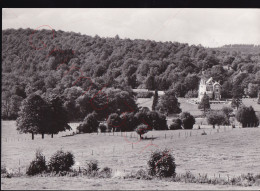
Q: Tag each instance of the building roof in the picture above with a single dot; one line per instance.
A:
(216, 83)
(209, 80)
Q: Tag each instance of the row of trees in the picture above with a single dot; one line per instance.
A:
(40, 116)
(124, 122)
(245, 115)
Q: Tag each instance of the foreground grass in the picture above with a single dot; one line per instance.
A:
(83, 183)
(228, 153)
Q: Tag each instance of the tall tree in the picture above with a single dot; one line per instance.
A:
(155, 100)
(169, 103)
(187, 120)
(204, 103)
(237, 98)
(6, 104)
(58, 117)
(227, 111)
(216, 118)
(33, 117)
(150, 83)
(247, 116)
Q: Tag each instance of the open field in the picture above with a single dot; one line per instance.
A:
(193, 108)
(227, 152)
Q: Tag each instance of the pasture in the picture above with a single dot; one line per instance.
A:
(186, 106)
(221, 152)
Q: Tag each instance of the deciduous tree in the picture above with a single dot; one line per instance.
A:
(247, 117)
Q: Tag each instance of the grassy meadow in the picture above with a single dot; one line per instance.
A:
(221, 152)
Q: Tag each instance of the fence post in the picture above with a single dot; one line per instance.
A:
(19, 166)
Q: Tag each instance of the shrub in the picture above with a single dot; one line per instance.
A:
(90, 124)
(142, 174)
(61, 161)
(93, 165)
(187, 120)
(92, 168)
(38, 165)
(3, 169)
(105, 173)
(114, 122)
(162, 164)
(176, 124)
(141, 129)
(102, 127)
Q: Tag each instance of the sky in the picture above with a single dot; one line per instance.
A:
(208, 27)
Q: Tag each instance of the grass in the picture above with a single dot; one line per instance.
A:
(229, 151)
(193, 108)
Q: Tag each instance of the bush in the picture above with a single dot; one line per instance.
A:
(162, 164)
(142, 174)
(141, 129)
(3, 169)
(187, 120)
(102, 127)
(90, 124)
(92, 168)
(176, 124)
(61, 161)
(93, 165)
(38, 165)
(114, 122)
(105, 173)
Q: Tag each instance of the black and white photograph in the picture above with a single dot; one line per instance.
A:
(130, 99)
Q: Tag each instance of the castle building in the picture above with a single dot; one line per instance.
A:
(211, 88)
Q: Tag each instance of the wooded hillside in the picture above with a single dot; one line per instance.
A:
(48, 61)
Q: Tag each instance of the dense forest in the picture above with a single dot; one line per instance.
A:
(68, 64)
